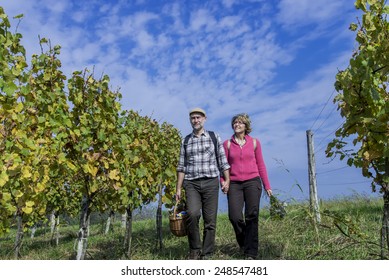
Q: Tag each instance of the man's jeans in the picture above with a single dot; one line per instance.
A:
(202, 197)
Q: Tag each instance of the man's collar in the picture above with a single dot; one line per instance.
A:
(204, 133)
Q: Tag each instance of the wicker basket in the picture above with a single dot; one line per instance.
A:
(177, 224)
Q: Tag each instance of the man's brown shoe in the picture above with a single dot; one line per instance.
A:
(194, 255)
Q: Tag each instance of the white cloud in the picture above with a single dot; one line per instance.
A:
(228, 3)
(229, 22)
(201, 18)
(304, 12)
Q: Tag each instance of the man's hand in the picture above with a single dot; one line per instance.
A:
(226, 181)
(178, 194)
(225, 186)
(180, 180)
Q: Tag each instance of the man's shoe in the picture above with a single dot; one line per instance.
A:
(194, 255)
(206, 257)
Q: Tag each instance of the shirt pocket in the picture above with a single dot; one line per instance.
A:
(208, 150)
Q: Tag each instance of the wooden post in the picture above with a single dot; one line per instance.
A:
(19, 235)
(110, 219)
(312, 178)
(128, 234)
(124, 219)
(159, 219)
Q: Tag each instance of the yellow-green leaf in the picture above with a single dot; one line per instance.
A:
(18, 194)
(71, 165)
(39, 187)
(26, 172)
(3, 178)
(30, 203)
(114, 175)
(61, 158)
(27, 210)
(6, 196)
(19, 107)
(88, 168)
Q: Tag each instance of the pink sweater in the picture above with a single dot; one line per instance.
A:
(246, 163)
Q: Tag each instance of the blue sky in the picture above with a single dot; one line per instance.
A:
(275, 60)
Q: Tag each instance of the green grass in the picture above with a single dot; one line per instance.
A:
(349, 230)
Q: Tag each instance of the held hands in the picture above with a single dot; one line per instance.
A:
(225, 186)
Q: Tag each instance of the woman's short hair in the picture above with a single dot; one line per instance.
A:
(244, 118)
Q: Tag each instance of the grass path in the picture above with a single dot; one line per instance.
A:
(349, 230)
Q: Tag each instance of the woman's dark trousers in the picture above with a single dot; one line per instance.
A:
(245, 194)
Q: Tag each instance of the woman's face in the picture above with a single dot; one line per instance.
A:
(239, 126)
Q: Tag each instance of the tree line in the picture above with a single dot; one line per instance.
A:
(66, 145)
(363, 100)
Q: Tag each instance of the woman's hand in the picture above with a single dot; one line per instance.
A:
(225, 186)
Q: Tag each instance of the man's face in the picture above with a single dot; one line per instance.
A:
(197, 121)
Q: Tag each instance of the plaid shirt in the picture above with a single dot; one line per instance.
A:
(201, 159)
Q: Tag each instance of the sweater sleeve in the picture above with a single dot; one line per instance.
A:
(261, 166)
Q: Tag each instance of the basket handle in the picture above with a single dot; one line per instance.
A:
(175, 208)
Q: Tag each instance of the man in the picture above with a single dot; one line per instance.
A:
(198, 170)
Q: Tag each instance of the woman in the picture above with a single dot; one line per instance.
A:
(247, 174)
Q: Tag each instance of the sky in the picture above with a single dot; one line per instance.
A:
(275, 60)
